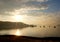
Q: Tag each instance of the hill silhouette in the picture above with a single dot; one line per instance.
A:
(4, 25)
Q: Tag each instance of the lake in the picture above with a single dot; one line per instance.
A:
(33, 31)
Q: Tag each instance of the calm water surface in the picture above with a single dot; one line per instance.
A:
(35, 32)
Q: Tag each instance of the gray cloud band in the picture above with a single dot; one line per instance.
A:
(11, 5)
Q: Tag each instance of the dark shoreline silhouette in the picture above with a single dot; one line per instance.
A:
(13, 38)
(5, 25)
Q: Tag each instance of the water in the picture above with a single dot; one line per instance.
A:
(34, 32)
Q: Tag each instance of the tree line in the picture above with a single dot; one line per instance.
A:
(48, 26)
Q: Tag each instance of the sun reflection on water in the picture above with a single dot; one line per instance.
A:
(17, 33)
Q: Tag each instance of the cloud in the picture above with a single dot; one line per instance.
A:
(11, 5)
(26, 10)
(41, 0)
(31, 0)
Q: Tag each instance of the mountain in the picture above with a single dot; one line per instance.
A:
(13, 25)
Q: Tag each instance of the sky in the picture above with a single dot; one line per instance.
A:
(32, 11)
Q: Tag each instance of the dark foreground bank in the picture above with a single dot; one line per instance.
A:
(12, 38)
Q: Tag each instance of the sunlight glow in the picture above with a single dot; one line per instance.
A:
(17, 18)
(16, 15)
(18, 33)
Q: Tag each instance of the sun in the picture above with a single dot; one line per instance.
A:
(17, 18)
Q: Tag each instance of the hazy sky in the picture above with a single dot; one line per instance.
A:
(33, 11)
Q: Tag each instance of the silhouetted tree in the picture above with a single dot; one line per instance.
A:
(40, 26)
(54, 26)
(32, 25)
(49, 26)
(44, 26)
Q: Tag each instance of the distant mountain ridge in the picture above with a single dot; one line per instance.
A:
(13, 25)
